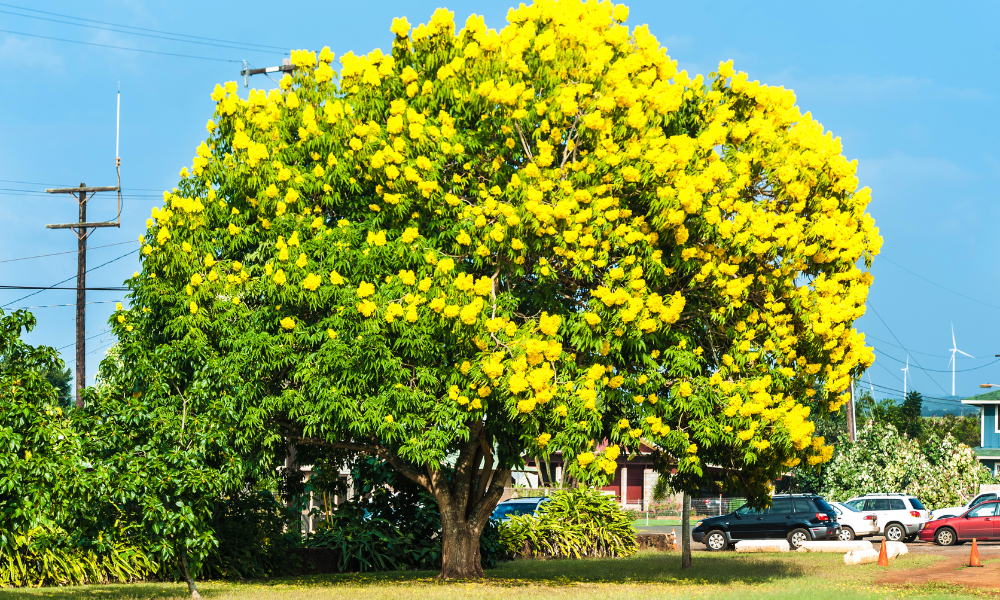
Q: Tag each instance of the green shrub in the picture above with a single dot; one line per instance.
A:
(249, 528)
(43, 557)
(575, 523)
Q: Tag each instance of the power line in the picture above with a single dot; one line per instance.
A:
(944, 370)
(52, 287)
(237, 46)
(868, 335)
(141, 28)
(903, 347)
(48, 37)
(50, 184)
(101, 348)
(896, 377)
(58, 305)
(930, 399)
(88, 339)
(67, 252)
(40, 192)
(890, 261)
(73, 277)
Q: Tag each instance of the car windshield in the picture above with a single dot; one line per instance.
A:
(850, 508)
(514, 508)
(916, 504)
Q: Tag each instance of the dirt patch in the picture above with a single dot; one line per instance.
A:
(951, 571)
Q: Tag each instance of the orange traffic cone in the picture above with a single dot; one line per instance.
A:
(974, 557)
(883, 558)
(673, 540)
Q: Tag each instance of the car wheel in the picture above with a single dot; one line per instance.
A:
(846, 534)
(911, 538)
(894, 532)
(716, 540)
(796, 537)
(945, 536)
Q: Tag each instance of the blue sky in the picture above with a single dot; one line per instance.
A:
(911, 93)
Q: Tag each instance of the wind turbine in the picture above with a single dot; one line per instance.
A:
(906, 372)
(954, 349)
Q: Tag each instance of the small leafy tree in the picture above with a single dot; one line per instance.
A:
(484, 244)
(163, 442)
(59, 376)
(965, 429)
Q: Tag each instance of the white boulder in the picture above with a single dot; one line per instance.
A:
(894, 549)
(861, 557)
(762, 546)
(837, 547)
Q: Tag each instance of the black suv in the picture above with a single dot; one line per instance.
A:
(795, 517)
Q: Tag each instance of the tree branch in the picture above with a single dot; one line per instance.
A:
(524, 143)
(374, 450)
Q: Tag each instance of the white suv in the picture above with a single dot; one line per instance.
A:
(900, 516)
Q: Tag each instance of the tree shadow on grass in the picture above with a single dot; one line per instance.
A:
(132, 591)
(654, 567)
(645, 567)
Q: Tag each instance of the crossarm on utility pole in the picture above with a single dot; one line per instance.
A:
(82, 225)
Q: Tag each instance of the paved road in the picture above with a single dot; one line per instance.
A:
(987, 549)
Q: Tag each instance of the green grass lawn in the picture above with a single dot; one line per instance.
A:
(660, 522)
(646, 576)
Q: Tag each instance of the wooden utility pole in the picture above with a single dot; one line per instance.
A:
(82, 229)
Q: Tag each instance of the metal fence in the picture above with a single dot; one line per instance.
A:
(705, 507)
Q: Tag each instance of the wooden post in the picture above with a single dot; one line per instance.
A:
(624, 485)
(851, 428)
(81, 301)
(686, 532)
(80, 228)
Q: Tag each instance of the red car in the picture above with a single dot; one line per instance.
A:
(982, 523)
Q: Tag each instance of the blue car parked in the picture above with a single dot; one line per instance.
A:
(517, 506)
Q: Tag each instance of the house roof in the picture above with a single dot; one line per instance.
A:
(987, 452)
(987, 398)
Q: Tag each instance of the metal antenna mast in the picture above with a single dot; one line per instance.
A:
(82, 228)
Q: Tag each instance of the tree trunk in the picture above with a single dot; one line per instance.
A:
(186, 573)
(686, 532)
(466, 499)
(460, 558)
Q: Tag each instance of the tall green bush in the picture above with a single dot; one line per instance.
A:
(941, 472)
(575, 523)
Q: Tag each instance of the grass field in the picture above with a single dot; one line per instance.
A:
(646, 576)
(660, 522)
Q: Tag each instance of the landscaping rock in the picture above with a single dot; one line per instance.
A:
(894, 549)
(836, 547)
(860, 557)
(654, 541)
(762, 546)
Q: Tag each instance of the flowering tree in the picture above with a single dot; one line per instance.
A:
(485, 243)
(944, 472)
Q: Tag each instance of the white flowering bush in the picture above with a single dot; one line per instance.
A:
(942, 472)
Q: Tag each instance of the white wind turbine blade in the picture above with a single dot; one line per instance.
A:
(965, 353)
